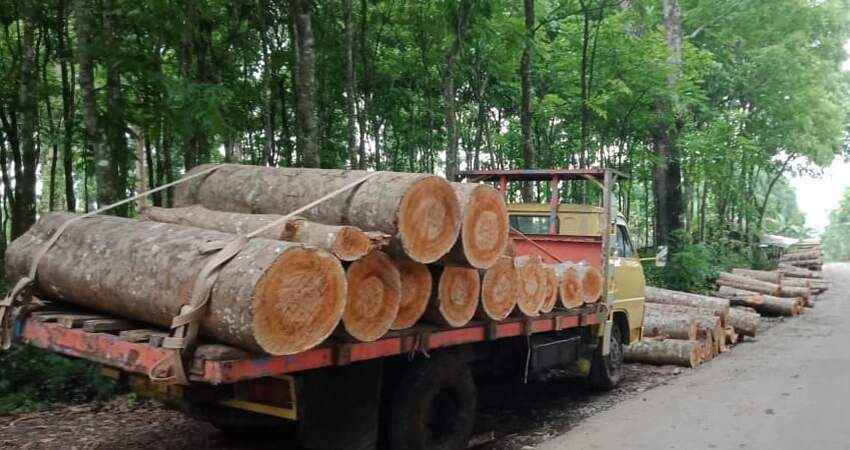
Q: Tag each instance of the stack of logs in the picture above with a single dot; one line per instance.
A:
(686, 329)
(392, 251)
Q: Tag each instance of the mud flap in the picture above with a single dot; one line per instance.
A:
(606, 337)
(339, 407)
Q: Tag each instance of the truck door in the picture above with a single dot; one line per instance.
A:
(629, 282)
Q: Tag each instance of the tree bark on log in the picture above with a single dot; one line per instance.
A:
(274, 297)
(732, 335)
(793, 271)
(374, 296)
(803, 255)
(416, 287)
(499, 290)
(748, 284)
(532, 283)
(806, 263)
(663, 352)
(456, 295)
(420, 211)
(739, 297)
(761, 275)
(778, 306)
(745, 322)
(484, 226)
(675, 325)
(345, 242)
(719, 305)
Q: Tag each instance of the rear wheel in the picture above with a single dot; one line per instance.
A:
(607, 370)
(432, 406)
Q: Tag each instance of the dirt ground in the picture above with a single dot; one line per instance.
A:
(510, 417)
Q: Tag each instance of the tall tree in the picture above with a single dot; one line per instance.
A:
(350, 86)
(307, 137)
(459, 25)
(23, 211)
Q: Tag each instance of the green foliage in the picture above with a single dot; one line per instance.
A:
(33, 379)
(836, 237)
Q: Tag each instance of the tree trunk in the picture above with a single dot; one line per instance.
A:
(118, 169)
(484, 226)
(350, 86)
(276, 297)
(664, 296)
(744, 322)
(363, 113)
(345, 242)
(797, 272)
(416, 287)
(739, 297)
(526, 113)
(68, 107)
(749, 284)
(26, 160)
(664, 352)
(420, 211)
(675, 325)
(374, 295)
(532, 284)
(455, 298)
(307, 137)
(761, 275)
(767, 305)
(458, 30)
(499, 290)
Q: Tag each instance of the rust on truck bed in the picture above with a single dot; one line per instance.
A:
(116, 351)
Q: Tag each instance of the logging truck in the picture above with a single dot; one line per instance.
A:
(412, 388)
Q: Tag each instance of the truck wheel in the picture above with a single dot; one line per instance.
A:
(606, 371)
(432, 406)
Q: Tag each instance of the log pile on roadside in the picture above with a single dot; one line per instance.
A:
(687, 329)
(394, 251)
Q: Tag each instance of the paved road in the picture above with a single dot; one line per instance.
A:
(790, 389)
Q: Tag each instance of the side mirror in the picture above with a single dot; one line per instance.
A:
(661, 256)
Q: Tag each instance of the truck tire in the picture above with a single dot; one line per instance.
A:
(606, 371)
(432, 406)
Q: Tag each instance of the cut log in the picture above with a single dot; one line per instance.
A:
(374, 296)
(551, 297)
(456, 296)
(748, 284)
(672, 325)
(708, 348)
(592, 282)
(569, 285)
(532, 282)
(499, 290)
(275, 297)
(708, 321)
(745, 322)
(739, 297)
(420, 211)
(806, 263)
(762, 275)
(719, 305)
(345, 242)
(510, 249)
(416, 287)
(801, 255)
(797, 272)
(731, 335)
(484, 226)
(663, 352)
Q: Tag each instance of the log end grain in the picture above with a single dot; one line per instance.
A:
(428, 219)
(351, 244)
(374, 295)
(416, 286)
(484, 233)
(532, 283)
(591, 284)
(570, 288)
(499, 289)
(458, 291)
(551, 297)
(299, 301)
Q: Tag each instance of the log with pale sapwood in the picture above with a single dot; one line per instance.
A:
(532, 284)
(551, 290)
(456, 295)
(274, 297)
(675, 325)
(708, 320)
(345, 242)
(739, 297)
(499, 290)
(801, 256)
(764, 287)
(808, 263)
(745, 321)
(416, 287)
(664, 352)
(484, 226)
(374, 296)
(797, 272)
(763, 275)
(768, 305)
(665, 296)
(420, 211)
(578, 283)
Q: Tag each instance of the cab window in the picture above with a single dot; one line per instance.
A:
(622, 244)
(530, 224)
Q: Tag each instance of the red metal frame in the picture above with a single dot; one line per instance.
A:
(110, 350)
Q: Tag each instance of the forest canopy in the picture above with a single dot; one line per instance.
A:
(705, 104)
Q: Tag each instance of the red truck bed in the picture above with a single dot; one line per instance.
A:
(64, 332)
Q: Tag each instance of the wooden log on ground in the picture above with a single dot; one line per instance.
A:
(499, 290)
(708, 320)
(802, 255)
(806, 263)
(739, 297)
(748, 284)
(797, 272)
(275, 297)
(719, 305)
(663, 352)
(456, 296)
(731, 335)
(374, 296)
(345, 242)
(416, 287)
(484, 226)
(762, 275)
(708, 348)
(420, 211)
(532, 282)
(551, 297)
(780, 306)
(675, 325)
(743, 321)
